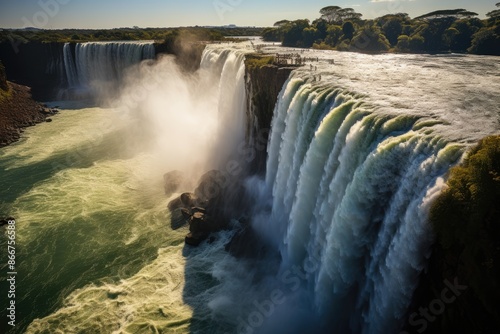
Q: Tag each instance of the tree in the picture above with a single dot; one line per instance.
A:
(334, 33)
(281, 23)
(322, 27)
(369, 39)
(456, 13)
(466, 28)
(494, 14)
(433, 33)
(329, 13)
(449, 36)
(309, 36)
(486, 41)
(336, 14)
(348, 14)
(403, 43)
(392, 29)
(416, 43)
(272, 35)
(292, 33)
(348, 29)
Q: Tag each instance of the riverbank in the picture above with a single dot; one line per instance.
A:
(19, 110)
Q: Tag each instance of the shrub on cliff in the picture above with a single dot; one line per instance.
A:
(256, 60)
(466, 219)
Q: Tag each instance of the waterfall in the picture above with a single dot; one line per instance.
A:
(229, 67)
(350, 188)
(102, 61)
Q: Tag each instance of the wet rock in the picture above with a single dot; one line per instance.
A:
(189, 200)
(186, 213)
(194, 239)
(48, 120)
(177, 219)
(198, 223)
(211, 185)
(198, 209)
(174, 204)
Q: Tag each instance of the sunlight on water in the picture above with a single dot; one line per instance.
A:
(355, 157)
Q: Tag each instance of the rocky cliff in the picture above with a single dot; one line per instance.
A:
(34, 64)
(264, 82)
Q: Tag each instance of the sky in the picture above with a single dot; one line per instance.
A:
(101, 14)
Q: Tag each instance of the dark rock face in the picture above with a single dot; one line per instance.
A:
(208, 208)
(175, 204)
(264, 84)
(246, 244)
(189, 200)
(35, 64)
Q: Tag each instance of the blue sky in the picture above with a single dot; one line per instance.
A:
(55, 14)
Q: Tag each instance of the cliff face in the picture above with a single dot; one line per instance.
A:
(3, 79)
(264, 81)
(38, 65)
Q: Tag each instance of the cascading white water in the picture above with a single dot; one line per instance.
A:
(231, 97)
(349, 180)
(350, 194)
(355, 158)
(188, 128)
(103, 61)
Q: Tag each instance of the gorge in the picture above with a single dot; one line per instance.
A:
(337, 164)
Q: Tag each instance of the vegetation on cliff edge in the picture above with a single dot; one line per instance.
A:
(466, 220)
(4, 86)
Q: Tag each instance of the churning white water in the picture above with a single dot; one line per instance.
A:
(95, 243)
(357, 151)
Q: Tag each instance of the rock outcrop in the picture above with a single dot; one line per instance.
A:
(207, 209)
(17, 111)
(264, 83)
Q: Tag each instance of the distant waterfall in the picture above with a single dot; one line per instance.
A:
(350, 194)
(102, 61)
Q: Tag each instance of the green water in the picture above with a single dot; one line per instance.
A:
(94, 249)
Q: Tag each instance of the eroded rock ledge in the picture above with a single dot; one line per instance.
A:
(209, 208)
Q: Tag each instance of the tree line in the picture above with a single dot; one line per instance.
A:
(343, 29)
(120, 34)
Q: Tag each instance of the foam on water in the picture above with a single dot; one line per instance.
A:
(354, 160)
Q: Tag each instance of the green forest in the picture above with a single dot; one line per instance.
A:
(19, 36)
(337, 28)
(343, 29)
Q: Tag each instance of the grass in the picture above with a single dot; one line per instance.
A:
(255, 60)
